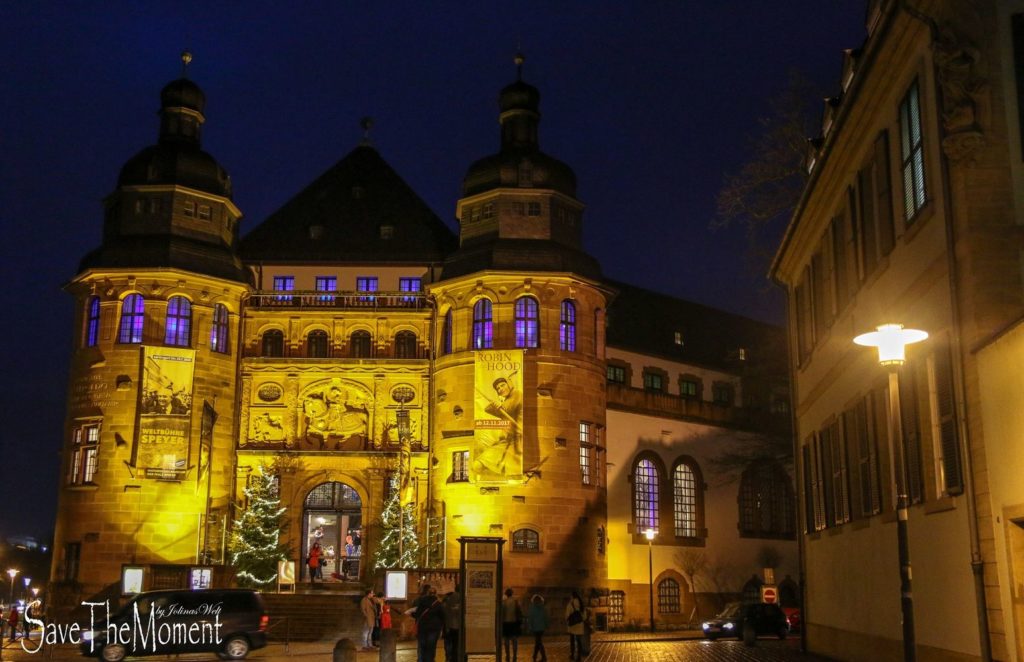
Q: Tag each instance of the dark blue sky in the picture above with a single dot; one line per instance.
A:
(649, 102)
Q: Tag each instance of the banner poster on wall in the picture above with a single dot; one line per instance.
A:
(497, 452)
(165, 412)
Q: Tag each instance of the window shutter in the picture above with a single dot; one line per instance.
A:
(869, 243)
(949, 438)
(911, 432)
(883, 196)
(809, 500)
(840, 485)
(828, 476)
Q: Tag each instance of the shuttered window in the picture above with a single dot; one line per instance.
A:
(911, 432)
(947, 444)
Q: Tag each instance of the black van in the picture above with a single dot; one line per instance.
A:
(229, 622)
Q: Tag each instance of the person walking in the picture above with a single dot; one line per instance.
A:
(12, 621)
(536, 623)
(511, 625)
(452, 605)
(368, 607)
(429, 615)
(575, 615)
(314, 562)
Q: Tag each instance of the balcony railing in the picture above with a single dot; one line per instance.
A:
(316, 299)
(664, 404)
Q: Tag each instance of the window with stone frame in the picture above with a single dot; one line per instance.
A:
(446, 334)
(326, 284)
(483, 324)
(272, 344)
(645, 496)
(684, 500)
(460, 467)
(405, 345)
(219, 329)
(616, 374)
(133, 318)
(361, 345)
(525, 540)
(92, 322)
(317, 344)
(284, 284)
(410, 285)
(586, 452)
(722, 393)
(85, 448)
(912, 153)
(668, 596)
(527, 322)
(178, 327)
(654, 380)
(690, 387)
(567, 327)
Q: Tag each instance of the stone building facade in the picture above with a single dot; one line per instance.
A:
(351, 344)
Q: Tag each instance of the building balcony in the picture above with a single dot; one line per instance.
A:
(655, 403)
(316, 300)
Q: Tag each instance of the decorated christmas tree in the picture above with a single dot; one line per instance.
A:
(256, 541)
(399, 546)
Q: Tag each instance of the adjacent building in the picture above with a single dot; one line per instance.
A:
(913, 216)
(356, 348)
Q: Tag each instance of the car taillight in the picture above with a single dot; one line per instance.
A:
(264, 622)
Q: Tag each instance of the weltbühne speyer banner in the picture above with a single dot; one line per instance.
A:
(497, 452)
(165, 412)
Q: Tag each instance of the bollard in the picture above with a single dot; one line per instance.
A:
(749, 635)
(344, 651)
(388, 644)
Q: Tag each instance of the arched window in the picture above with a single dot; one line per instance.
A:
(178, 330)
(405, 345)
(219, 330)
(132, 318)
(360, 344)
(567, 327)
(483, 325)
(525, 540)
(92, 324)
(273, 343)
(766, 502)
(446, 333)
(645, 496)
(316, 344)
(526, 322)
(668, 596)
(684, 500)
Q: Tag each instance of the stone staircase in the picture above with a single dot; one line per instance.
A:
(314, 616)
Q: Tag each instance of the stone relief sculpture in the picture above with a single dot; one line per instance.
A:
(335, 417)
(958, 70)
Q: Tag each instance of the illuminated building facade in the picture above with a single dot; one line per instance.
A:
(913, 216)
(351, 339)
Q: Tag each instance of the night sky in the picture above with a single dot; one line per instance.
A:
(649, 102)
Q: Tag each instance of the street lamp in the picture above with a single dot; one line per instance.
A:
(12, 573)
(649, 534)
(891, 341)
(28, 581)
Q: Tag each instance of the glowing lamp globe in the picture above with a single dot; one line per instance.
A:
(891, 341)
(649, 534)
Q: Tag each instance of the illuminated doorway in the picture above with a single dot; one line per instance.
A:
(333, 518)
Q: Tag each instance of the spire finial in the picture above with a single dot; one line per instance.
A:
(367, 124)
(186, 59)
(519, 59)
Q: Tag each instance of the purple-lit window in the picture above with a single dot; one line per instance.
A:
(567, 327)
(132, 318)
(483, 324)
(92, 325)
(446, 334)
(179, 322)
(645, 496)
(526, 322)
(219, 330)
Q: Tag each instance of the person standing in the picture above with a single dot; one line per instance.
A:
(314, 562)
(452, 604)
(12, 621)
(575, 615)
(429, 615)
(368, 607)
(511, 625)
(537, 622)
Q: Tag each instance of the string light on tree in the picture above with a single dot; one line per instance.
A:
(397, 523)
(256, 541)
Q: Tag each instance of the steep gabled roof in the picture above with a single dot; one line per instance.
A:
(646, 322)
(340, 216)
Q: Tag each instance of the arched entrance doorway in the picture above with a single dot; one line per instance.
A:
(332, 516)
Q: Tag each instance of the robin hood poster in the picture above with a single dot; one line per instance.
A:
(165, 412)
(497, 452)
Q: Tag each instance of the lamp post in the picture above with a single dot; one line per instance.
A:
(891, 341)
(28, 581)
(12, 573)
(649, 534)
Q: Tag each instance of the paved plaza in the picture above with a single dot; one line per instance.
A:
(635, 647)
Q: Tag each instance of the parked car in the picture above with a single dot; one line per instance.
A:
(229, 622)
(765, 619)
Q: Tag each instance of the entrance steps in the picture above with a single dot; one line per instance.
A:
(315, 615)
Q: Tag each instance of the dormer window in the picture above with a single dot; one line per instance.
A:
(533, 209)
(189, 209)
(677, 338)
(488, 211)
(204, 212)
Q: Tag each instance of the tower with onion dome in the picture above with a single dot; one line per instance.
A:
(519, 380)
(148, 456)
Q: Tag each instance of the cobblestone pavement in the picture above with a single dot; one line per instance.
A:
(634, 649)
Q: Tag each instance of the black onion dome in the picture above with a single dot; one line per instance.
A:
(183, 93)
(519, 96)
(176, 163)
(503, 170)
